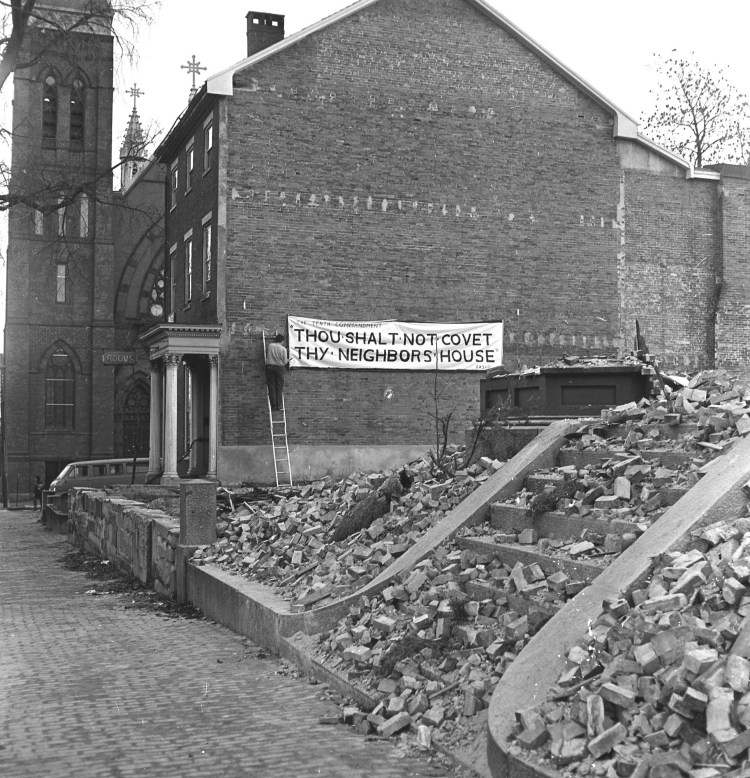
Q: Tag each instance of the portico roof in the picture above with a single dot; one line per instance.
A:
(182, 339)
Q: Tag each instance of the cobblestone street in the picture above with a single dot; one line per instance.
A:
(90, 688)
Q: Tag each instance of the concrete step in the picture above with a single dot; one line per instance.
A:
(513, 519)
(512, 553)
(581, 458)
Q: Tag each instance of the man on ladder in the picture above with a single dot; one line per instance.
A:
(277, 360)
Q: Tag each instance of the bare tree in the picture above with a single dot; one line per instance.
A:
(52, 190)
(699, 113)
(17, 16)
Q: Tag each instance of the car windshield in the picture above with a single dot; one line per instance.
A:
(64, 472)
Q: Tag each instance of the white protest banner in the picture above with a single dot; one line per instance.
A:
(394, 345)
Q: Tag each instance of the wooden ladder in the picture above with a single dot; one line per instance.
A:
(281, 464)
(279, 443)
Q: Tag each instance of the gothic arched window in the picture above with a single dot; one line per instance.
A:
(135, 421)
(49, 112)
(77, 115)
(59, 391)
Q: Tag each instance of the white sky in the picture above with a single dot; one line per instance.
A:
(610, 45)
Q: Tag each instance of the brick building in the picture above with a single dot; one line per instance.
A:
(414, 160)
(83, 259)
(425, 161)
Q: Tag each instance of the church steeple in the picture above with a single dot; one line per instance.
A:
(132, 151)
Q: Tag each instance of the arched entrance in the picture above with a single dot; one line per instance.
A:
(135, 421)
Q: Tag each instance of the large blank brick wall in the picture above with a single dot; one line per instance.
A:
(733, 321)
(415, 162)
(672, 242)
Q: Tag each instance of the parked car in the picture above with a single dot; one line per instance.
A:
(100, 472)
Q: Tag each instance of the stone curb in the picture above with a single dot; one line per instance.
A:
(527, 680)
(255, 611)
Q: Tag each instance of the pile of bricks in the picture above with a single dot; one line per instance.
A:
(432, 646)
(662, 680)
(286, 542)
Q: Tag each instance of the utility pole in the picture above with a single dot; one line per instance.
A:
(3, 463)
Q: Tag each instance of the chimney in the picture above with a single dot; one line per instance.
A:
(263, 30)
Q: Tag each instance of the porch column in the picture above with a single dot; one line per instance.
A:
(169, 476)
(154, 427)
(213, 415)
(196, 420)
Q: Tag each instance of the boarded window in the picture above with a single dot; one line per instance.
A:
(59, 391)
(61, 283)
(207, 240)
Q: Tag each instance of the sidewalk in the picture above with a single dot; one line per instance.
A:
(89, 688)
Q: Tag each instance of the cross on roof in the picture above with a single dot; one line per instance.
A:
(135, 93)
(194, 68)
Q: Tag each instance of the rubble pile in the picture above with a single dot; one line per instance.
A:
(431, 646)
(287, 543)
(662, 680)
(655, 453)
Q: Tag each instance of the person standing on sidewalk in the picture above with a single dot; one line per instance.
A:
(38, 486)
(277, 360)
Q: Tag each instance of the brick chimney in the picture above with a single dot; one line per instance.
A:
(263, 30)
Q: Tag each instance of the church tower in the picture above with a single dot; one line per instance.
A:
(59, 321)
(132, 150)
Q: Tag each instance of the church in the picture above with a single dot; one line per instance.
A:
(421, 163)
(85, 267)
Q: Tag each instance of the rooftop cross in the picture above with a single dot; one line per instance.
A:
(135, 93)
(194, 68)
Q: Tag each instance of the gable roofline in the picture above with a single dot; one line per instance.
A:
(221, 83)
(625, 126)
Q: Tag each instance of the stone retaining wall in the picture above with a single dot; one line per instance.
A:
(137, 540)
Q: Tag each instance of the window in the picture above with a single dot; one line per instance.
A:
(156, 304)
(188, 415)
(49, 112)
(208, 146)
(59, 391)
(172, 280)
(207, 241)
(135, 421)
(62, 277)
(175, 184)
(188, 267)
(61, 211)
(77, 115)
(38, 222)
(83, 216)
(81, 471)
(189, 167)
(98, 470)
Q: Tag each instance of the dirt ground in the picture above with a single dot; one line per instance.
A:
(130, 591)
